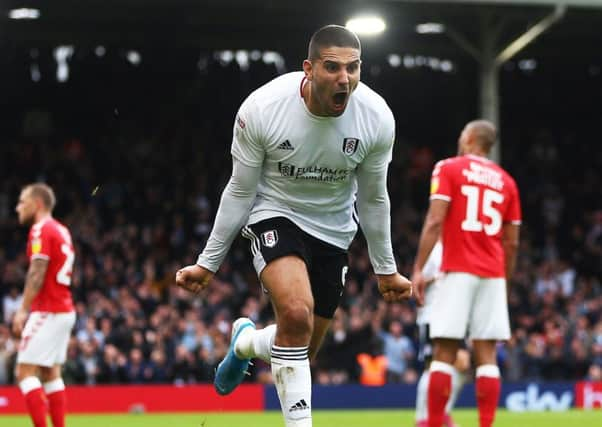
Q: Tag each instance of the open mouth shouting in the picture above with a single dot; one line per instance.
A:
(339, 100)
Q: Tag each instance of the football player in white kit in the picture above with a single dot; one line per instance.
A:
(431, 272)
(307, 146)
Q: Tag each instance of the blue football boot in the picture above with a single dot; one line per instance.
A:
(232, 370)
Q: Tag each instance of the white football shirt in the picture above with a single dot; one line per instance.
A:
(309, 162)
(310, 167)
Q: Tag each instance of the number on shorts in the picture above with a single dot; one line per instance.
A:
(471, 222)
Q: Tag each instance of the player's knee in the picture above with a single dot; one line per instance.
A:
(445, 350)
(295, 319)
(49, 374)
(24, 371)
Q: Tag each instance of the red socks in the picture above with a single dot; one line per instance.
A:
(439, 389)
(37, 400)
(488, 386)
(57, 402)
(34, 400)
(36, 406)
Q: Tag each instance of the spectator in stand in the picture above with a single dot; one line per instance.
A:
(112, 366)
(398, 350)
(10, 304)
(8, 348)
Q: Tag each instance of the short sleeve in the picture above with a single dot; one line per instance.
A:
(247, 146)
(441, 186)
(41, 243)
(513, 213)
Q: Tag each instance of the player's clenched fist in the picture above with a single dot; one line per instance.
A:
(193, 278)
(394, 287)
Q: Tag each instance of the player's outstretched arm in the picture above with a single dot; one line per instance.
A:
(233, 211)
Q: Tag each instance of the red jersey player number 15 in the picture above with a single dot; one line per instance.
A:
(482, 198)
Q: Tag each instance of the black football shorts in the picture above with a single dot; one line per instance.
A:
(327, 264)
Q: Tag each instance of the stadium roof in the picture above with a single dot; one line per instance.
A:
(285, 26)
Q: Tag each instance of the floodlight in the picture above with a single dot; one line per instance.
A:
(24, 13)
(366, 25)
(430, 28)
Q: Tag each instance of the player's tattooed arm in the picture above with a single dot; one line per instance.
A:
(34, 280)
(33, 283)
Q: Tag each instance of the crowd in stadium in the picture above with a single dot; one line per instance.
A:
(139, 194)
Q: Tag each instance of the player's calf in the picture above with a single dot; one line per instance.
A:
(31, 387)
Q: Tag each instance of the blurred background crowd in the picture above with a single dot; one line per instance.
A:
(139, 160)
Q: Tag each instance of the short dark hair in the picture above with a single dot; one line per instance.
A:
(44, 193)
(331, 35)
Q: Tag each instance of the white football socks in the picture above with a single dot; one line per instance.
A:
(292, 377)
(256, 343)
(290, 370)
(458, 380)
(29, 383)
(421, 396)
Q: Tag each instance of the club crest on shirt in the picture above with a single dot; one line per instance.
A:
(269, 238)
(350, 145)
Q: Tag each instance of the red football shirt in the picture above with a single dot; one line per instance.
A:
(482, 197)
(51, 240)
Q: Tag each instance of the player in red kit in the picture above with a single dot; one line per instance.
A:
(475, 209)
(46, 316)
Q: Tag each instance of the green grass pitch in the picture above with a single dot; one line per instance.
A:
(358, 418)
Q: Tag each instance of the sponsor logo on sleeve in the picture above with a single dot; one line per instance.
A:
(241, 122)
(434, 184)
(36, 246)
